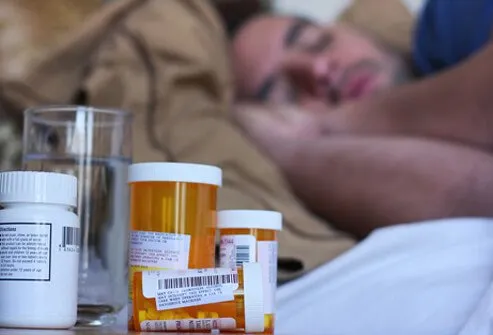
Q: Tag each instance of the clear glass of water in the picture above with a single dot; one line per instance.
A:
(95, 146)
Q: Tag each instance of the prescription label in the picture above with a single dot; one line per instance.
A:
(159, 250)
(192, 296)
(236, 250)
(189, 324)
(267, 257)
(184, 288)
(25, 251)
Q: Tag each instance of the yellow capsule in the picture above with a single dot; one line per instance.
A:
(185, 315)
(213, 315)
(152, 314)
(174, 315)
(166, 315)
(142, 315)
(202, 315)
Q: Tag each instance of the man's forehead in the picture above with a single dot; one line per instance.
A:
(289, 28)
(260, 47)
(295, 28)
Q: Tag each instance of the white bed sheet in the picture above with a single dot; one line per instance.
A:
(427, 278)
(480, 322)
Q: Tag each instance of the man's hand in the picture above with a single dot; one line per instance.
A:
(277, 129)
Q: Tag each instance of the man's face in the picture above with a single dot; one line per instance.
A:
(288, 60)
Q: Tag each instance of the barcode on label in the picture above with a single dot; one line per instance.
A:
(242, 253)
(186, 282)
(70, 236)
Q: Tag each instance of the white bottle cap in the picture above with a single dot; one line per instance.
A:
(38, 187)
(249, 219)
(175, 172)
(254, 297)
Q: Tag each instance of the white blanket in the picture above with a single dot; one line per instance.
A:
(428, 278)
(480, 322)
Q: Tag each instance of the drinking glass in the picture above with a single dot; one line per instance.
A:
(95, 146)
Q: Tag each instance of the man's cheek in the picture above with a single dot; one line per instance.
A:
(383, 82)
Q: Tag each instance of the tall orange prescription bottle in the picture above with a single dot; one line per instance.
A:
(172, 217)
(251, 236)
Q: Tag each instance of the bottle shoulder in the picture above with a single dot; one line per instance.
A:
(36, 213)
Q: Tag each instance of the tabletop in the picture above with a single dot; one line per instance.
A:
(74, 331)
(83, 331)
(117, 328)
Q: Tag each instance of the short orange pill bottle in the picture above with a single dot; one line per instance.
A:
(199, 300)
(172, 217)
(251, 236)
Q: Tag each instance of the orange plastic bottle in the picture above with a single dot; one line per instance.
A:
(251, 236)
(173, 210)
(199, 300)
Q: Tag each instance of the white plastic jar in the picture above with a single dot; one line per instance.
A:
(39, 250)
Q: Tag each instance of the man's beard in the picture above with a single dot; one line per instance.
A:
(400, 74)
(335, 92)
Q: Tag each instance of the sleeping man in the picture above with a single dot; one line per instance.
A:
(361, 146)
(282, 59)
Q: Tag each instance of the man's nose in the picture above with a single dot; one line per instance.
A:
(323, 71)
(315, 74)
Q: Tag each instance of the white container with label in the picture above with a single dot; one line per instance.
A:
(251, 236)
(39, 250)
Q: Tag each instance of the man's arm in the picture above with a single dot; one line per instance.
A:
(452, 38)
(365, 183)
(455, 105)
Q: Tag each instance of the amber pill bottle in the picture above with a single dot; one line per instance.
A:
(251, 236)
(173, 211)
(240, 310)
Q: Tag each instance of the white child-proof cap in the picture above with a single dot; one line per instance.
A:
(254, 297)
(175, 172)
(38, 187)
(249, 219)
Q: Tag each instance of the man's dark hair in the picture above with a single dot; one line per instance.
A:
(236, 12)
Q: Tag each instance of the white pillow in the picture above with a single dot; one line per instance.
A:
(327, 11)
(319, 10)
(414, 6)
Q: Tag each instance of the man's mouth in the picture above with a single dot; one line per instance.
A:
(357, 86)
(358, 80)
